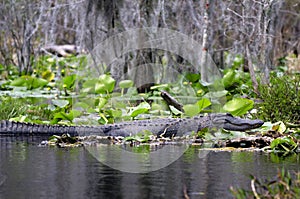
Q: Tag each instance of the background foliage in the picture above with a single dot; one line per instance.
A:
(270, 29)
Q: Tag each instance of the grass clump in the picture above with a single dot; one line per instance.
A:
(15, 107)
(284, 186)
(280, 99)
(11, 107)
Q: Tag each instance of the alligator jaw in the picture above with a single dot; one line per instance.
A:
(229, 122)
(239, 124)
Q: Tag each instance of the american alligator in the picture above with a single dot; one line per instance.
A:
(161, 127)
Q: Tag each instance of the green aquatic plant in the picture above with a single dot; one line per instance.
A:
(33, 109)
(112, 100)
(142, 137)
(284, 186)
(238, 106)
(29, 82)
(280, 99)
(12, 107)
(283, 144)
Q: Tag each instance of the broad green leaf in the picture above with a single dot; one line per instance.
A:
(129, 138)
(60, 103)
(143, 107)
(160, 86)
(142, 137)
(82, 105)
(203, 103)
(102, 102)
(191, 109)
(174, 110)
(204, 83)
(238, 106)
(90, 84)
(192, 77)
(48, 75)
(237, 62)
(76, 113)
(216, 94)
(155, 106)
(30, 82)
(100, 88)
(132, 91)
(138, 111)
(69, 81)
(267, 126)
(279, 127)
(116, 113)
(228, 78)
(283, 144)
(18, 82)
(120, 105)
(126, 84)
(37, 83)
(103, 119)
(64, 116)
(105, 84)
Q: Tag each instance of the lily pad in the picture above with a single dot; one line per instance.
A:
(69, 81)
(174, 110)
(126, 84)
(60, 103)
(279, 127)
(105, 84)
(48, 75)
(229, 78)
(216, 94)
(143, 107)
(203, 103)
(238, 106)
(191, 109)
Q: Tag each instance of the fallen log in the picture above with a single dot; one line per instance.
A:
(61, 50)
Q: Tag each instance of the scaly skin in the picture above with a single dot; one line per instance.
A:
(161, 127)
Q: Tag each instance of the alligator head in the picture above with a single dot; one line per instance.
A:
(229, 122)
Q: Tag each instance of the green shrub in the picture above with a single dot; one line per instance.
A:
(280, 99)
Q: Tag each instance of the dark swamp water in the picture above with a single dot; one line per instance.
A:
(30, 171)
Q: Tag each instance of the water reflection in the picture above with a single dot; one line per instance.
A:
(139, 161)
(29, 171)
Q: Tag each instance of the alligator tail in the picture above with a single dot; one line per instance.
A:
(15, 128)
